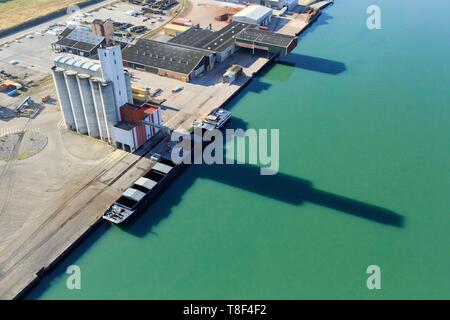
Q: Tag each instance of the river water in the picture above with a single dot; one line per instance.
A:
(364, 120)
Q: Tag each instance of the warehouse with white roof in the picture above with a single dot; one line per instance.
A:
(255, 14)
(276, 4)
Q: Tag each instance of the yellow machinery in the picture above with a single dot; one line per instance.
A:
(140, 94)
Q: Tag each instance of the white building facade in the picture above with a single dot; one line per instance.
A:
(256, 14)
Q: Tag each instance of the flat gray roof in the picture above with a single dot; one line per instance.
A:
(193, 37)
(266, 37)
(161, 167)
(79, 38)
(134, 194)
(145, 182)
(163, 55)
(210, 40)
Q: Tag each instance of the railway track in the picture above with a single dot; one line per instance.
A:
(4, 272)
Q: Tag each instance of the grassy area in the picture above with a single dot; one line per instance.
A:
(14, 12)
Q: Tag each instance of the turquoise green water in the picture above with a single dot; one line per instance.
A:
(363, 115)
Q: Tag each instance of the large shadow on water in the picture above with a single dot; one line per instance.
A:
(312, 63)
(280, 187)
(315, 64)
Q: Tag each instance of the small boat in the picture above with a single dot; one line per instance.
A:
(215, 120)
(137, 197)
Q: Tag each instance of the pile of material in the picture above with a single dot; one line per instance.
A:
(10, 87)
(309, 14)
(232, 73)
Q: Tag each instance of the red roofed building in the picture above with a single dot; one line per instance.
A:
(130, 133)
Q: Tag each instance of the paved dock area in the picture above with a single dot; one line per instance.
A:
(41, 240)
(202, 95)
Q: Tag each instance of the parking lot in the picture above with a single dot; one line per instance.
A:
(123, 12)
(201, 95)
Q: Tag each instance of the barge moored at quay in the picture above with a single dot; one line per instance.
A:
(138, 197)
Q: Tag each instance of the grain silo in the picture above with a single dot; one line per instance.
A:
(88, 105)
(75, 101)
(91, 92)
(98, 103)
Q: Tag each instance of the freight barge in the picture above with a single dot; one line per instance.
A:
(137, 198)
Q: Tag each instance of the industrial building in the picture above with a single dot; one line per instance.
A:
(256, 14)
(276, 4)
(168, 59)
(90, 93)
(131, 132)
(80, 41)
(220, 42)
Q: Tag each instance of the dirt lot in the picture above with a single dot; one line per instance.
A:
(12, 11)
(205, 12)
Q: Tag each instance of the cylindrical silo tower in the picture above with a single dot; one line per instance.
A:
(101, 120)
(88, 105)
(109, 104)
(128, 83)
(75, 101)
(63, 97)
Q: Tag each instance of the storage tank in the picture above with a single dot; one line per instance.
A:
(107, 96)
(128, 83)
(88, 105)
(75, 101)
(63, 97)
(98, 103)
